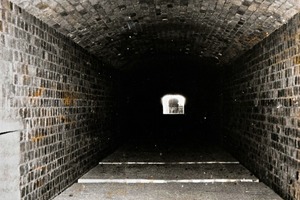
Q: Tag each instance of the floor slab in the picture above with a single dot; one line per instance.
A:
(169, 172)
(169, 152)
(170, 191)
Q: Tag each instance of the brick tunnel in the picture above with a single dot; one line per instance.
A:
(82, 78)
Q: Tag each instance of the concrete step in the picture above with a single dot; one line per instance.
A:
(168, 173)
(162, 156)
(160, 153)
(170, 191)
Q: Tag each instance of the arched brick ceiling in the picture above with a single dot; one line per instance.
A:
(119, 31)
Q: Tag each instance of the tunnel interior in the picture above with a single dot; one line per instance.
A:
(79, 78)
(143, 88)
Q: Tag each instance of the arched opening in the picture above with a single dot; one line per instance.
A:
(173, 104)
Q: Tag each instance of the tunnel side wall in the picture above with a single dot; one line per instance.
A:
(63, 96)
(261, 109)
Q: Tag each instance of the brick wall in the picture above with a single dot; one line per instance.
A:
(261, 105)
(64, 97)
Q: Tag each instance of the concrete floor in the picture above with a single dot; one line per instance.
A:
(169, 171)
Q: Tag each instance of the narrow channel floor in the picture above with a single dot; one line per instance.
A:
(162, 171)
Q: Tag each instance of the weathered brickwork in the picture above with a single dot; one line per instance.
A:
(64, 97)
(120, 31)
(261, 104)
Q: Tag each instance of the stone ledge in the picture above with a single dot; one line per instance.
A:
(7, 126)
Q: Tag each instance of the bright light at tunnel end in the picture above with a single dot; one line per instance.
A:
(175, 109)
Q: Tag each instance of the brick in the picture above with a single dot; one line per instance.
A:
(52, 85)
(228, 25)
(272, 68)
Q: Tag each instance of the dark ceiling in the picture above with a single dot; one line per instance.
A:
(121, 31)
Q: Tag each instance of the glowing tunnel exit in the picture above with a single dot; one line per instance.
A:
(173, 104)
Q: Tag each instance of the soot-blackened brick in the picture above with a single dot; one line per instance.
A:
(265, 81)
(227, 28)
(60, 93)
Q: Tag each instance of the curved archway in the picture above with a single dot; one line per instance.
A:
(173, 104)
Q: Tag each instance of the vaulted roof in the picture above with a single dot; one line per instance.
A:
(119, 31)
